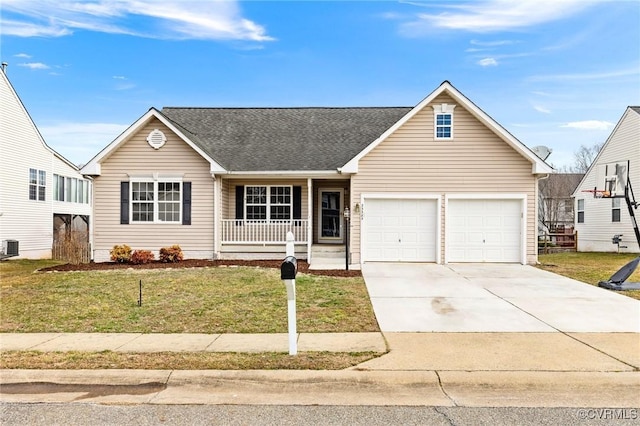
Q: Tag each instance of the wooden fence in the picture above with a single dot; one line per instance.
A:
(71, 251)
(557, 242)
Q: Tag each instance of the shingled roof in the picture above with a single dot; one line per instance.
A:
(283, 139)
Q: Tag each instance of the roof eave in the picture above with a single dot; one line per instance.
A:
(538, 165)
(93, 167)
(280, 173)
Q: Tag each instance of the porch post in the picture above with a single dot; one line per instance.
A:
(217, 185)
(309, 218)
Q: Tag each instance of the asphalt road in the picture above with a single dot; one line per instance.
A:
(141, 415)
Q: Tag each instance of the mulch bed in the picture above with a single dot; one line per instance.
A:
(303, 266)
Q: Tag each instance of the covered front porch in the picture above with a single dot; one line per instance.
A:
(257, 214)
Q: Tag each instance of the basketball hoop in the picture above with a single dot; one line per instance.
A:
(598, 193)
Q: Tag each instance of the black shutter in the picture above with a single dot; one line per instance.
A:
(186, 203)
(297, 202)
(124, 203)
(240, 202)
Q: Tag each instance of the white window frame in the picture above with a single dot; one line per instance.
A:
(442, 110)
(58, 190)
(615, 205)
(155, 181)
(70, 190)
(38, 184)
(269, 204)
(580, 209)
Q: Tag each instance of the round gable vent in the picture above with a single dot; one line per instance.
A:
(156, 139)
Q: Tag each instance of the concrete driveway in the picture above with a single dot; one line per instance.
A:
(409, 297)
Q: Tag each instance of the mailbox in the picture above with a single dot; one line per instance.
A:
(289, 268)
(617, 239)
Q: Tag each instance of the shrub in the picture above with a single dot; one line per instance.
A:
(171, 254)
(140, 257)
(121, 254)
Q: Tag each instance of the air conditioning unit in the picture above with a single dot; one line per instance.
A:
(9, 248)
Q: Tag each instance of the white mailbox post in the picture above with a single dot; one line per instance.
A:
(288, 271)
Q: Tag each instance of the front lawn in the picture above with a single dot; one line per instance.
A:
(194, 300)
(590, 268)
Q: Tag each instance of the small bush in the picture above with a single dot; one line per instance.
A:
(140, 257)
(121, 254)
(171, 254)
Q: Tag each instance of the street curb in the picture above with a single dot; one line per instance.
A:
(344, 387)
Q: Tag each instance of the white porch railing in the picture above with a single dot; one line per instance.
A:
(239, 231)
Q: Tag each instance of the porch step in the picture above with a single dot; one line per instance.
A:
(331, 264)
(327, 251)
(327, 257)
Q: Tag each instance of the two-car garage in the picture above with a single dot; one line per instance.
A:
(476, 228)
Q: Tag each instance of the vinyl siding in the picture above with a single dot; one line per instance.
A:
(30, 222)
(136, 157)
(476, 161)
(596, 232)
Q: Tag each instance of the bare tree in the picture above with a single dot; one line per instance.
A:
(555, 206)
(584, 156)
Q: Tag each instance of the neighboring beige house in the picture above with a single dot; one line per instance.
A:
(439, 182)
(44, 200)
(599, 219)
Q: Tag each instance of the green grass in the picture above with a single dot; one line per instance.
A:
(182, 360)
(197, 300)
(590, 268)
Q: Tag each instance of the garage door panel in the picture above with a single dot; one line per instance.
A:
(405, 230)
(484, 230)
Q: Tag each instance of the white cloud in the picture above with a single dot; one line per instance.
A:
(79, 142)
(589, 125)
(175, 19)
(599, 75)
(499, 15)
(488, 62)
(22, 55)
(492, 43)
(35, 65)
(541, 93)
(541, 109)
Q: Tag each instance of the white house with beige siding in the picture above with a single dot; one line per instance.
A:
(43, 197)
(439, 182)
(598, 220)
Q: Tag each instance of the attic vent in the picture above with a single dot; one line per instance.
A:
(156, 139)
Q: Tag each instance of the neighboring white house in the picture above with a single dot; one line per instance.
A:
(42, 195)
(599, 219)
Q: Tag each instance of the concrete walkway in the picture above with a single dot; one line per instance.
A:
(433, 369)
(157, 342)
(492, 298)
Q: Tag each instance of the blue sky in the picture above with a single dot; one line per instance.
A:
(558, 73)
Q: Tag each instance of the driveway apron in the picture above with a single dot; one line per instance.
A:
(418, 297)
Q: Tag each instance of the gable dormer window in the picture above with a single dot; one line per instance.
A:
(443, 121)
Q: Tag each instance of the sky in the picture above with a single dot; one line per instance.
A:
(556, 73)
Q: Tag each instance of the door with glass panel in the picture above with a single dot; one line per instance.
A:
(330, 206)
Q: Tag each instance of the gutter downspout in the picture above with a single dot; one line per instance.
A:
(309, 218)
(216, 217)
(537, 210)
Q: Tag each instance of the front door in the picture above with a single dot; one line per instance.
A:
(330, 208)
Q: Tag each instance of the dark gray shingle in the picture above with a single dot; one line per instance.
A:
(283, 139)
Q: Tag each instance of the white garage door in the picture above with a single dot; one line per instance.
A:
(399, 230)
(484, 230)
